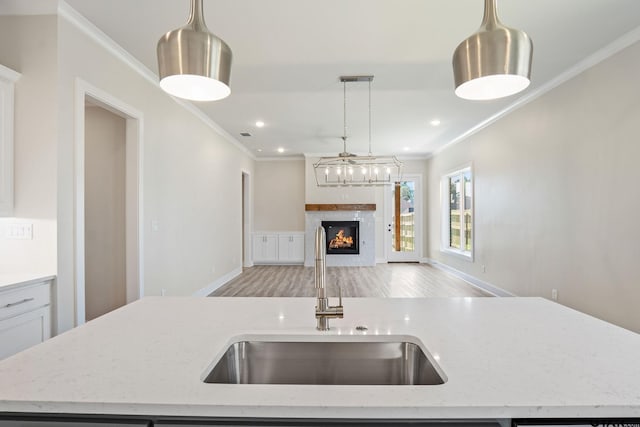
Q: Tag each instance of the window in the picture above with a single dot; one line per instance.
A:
(457, 212)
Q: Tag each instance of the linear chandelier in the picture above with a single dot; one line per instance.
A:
(349, 170)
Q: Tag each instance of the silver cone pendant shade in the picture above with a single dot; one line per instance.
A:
(494, 62)
(193, 63)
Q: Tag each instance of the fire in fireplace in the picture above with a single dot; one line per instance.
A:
(342, 237)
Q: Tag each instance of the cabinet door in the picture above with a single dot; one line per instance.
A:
(271, 248)
(258, 247)
(291, 248)
(283, 247)
(296, 248)
(265, 248)
(25, 330)
(8, 78)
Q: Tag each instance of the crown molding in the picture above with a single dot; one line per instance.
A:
(408, 157)
(88, 28)
(590, 61)
(9, 75)
(280, 159)
(401, 157)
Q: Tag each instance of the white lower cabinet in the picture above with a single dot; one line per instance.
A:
(25, 317)
(291, 248)
(278, 248)
(265, 248)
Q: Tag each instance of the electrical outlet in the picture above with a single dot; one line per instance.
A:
(163, 292)
(155, 225)
(554, 294)
(484, 268)
(19, 231)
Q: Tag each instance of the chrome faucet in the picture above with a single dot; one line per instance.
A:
(324, 311)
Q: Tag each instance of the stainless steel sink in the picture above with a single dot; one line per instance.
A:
(326, 362)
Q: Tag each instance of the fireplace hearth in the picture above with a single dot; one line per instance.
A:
(343, 237)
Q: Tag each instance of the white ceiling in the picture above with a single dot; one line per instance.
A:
(289, 54)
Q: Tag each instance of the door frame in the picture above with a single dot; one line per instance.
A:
(416, 255)
(247, 256)
(133, 193)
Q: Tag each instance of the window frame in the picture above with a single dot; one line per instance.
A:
(446, 217)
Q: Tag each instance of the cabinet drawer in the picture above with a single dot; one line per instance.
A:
(21, 300)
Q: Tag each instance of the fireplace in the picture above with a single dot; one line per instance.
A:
(343, 237)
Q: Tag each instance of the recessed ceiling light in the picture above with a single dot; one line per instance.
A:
(259, 123)
(406, 148)
(435, 122)
(280, 150)
(259, 150)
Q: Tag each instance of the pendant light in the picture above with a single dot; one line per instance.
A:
(193, 63)
(494, 62)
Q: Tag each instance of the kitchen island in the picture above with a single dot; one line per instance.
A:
(503, 359)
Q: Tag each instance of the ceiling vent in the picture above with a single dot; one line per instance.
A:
(245, 134)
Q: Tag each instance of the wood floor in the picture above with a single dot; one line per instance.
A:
(383, 280)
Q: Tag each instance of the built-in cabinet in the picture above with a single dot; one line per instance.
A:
(8, 78)
(25, 316)
(278, 248)
(291, 248)
(265, 248)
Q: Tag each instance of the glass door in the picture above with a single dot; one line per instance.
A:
(403, 227)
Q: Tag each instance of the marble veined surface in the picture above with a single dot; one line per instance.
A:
(9, 281)
(503, 358)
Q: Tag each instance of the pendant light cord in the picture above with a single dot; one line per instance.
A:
(344, 133)
(369, 118)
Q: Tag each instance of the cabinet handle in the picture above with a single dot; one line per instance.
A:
(12, 304)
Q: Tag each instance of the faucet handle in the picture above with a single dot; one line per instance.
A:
(339, 296)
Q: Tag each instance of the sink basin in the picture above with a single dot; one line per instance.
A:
(325, 362)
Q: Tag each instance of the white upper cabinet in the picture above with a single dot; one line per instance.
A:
(8, 78)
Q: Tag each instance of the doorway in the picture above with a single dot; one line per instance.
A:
(104, 211)
(403, 207)
(108, 203)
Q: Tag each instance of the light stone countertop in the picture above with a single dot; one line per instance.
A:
(10, 281)
(503, 358)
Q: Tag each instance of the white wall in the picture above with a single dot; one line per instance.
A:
(556, 203)
(28, 45)
(105, 252)
(192, 178)
(192, 174)
(279, 195)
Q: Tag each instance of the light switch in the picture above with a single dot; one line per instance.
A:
(155, 225)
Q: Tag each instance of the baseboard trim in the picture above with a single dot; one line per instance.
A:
(278, 263)
(474, 281)
(218, 283)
